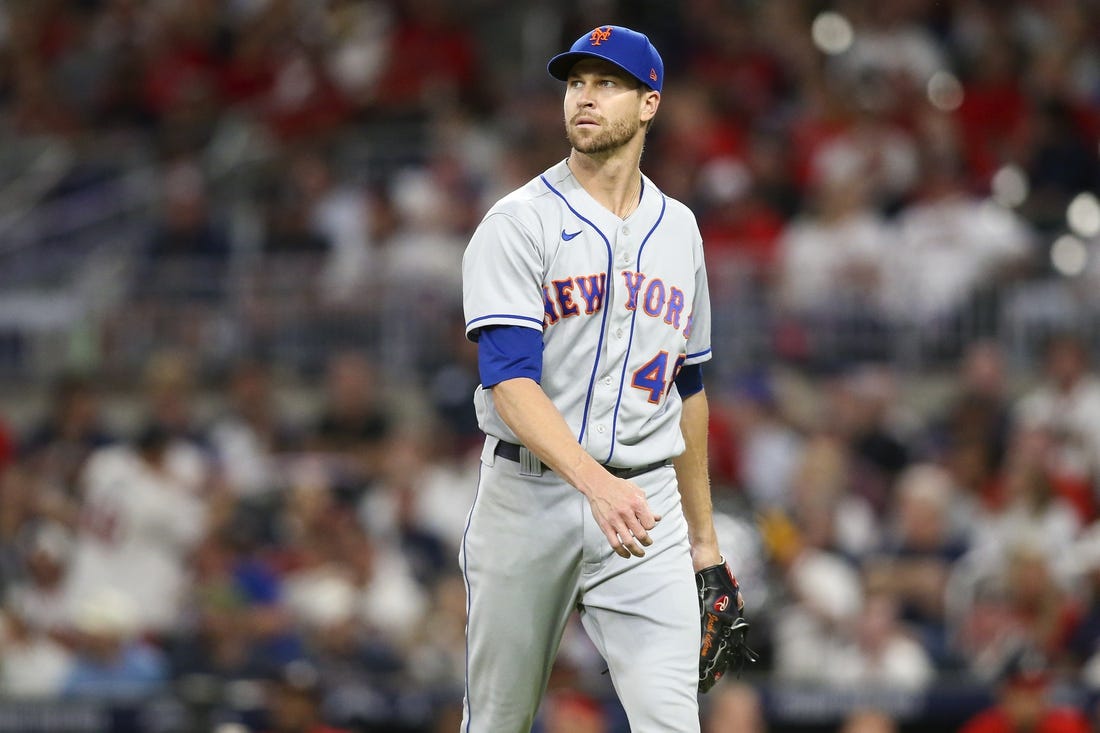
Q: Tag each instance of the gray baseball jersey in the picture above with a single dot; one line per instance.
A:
(621, 305)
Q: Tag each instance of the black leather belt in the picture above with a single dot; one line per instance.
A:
(511, 452)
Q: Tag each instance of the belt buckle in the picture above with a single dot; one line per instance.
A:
(529, 464)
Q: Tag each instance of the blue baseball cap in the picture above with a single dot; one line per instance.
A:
(630, 50)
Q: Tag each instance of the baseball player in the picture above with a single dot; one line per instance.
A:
(587, 295)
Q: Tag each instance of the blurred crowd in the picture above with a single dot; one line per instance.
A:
(270, 530)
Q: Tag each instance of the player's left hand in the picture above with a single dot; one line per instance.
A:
(723, 627)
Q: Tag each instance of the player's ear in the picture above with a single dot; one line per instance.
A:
(651, 99)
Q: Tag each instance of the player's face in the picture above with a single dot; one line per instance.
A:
(604, 107)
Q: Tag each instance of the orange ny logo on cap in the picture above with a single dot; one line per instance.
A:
(653, 74)
(600, 35)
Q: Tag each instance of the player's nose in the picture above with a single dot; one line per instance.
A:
(584, 96)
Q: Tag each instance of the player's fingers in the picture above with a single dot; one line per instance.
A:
(632, 546)
(637, 517)
(641, 512)
(637, 528)
(646, 518)
(627, 539)
(616, 543)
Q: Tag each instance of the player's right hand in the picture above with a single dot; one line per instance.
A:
(623, 514)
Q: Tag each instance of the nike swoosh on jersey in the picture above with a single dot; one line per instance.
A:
(566, 236)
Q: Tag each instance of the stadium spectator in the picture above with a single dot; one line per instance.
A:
(1043, 611)
(338, 213)
(141, 512)
(864, 412)
(412, 503)
(438, 651)
(237, 626)
(823, 499)
(994, 110)
(1023, 703)
(766, 445)
(294, 701)
(572, 711)
(970, 436)
(918, 554)
(1084, 645)
(421, 263)
(1016, 602)
(57, 447)
(1033, 512)
(354, 422)
(35, 666)
(951, 244)
(341, 560)
(36, 599)
(252, 439)
(1066, 405)
(112, 661)
(893, 41)
(880, 652)
(831, 263)
(170, 384)
(448, 386)
(822, 599)
(868, 721)
(188, 252)
(437, 60)
(734, 708)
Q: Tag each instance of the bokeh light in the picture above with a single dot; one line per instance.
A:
(945, 92)
(1010, 186)
(1083, 215)
(832, 33)
(1069, 256)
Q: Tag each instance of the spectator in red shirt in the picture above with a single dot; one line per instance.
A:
(1022, 705)
(432, 58)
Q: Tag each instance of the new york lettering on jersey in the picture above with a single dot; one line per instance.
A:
(561, 297)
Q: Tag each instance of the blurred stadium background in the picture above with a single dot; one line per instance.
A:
(236, 440)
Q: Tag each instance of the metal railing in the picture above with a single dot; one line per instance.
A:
(275, 306)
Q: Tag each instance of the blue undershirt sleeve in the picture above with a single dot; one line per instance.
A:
(689, 380)
(507, 352)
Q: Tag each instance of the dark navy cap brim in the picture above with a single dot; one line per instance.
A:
(560, 65)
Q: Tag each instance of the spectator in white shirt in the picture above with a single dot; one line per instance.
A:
(1067, 404)
(141, 514)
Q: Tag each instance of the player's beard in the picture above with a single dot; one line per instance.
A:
(608, 137)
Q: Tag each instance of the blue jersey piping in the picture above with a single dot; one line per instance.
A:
(603, 319)
(630, 341)
(504, 315)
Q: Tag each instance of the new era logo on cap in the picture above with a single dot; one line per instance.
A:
(629, 50)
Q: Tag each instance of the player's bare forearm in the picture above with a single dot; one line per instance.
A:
(693, 477)
(619, 506)
(539, 425)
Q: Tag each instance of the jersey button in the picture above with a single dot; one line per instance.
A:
(601, 429)
(607, 381)
(618, 333)
(626, 231)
